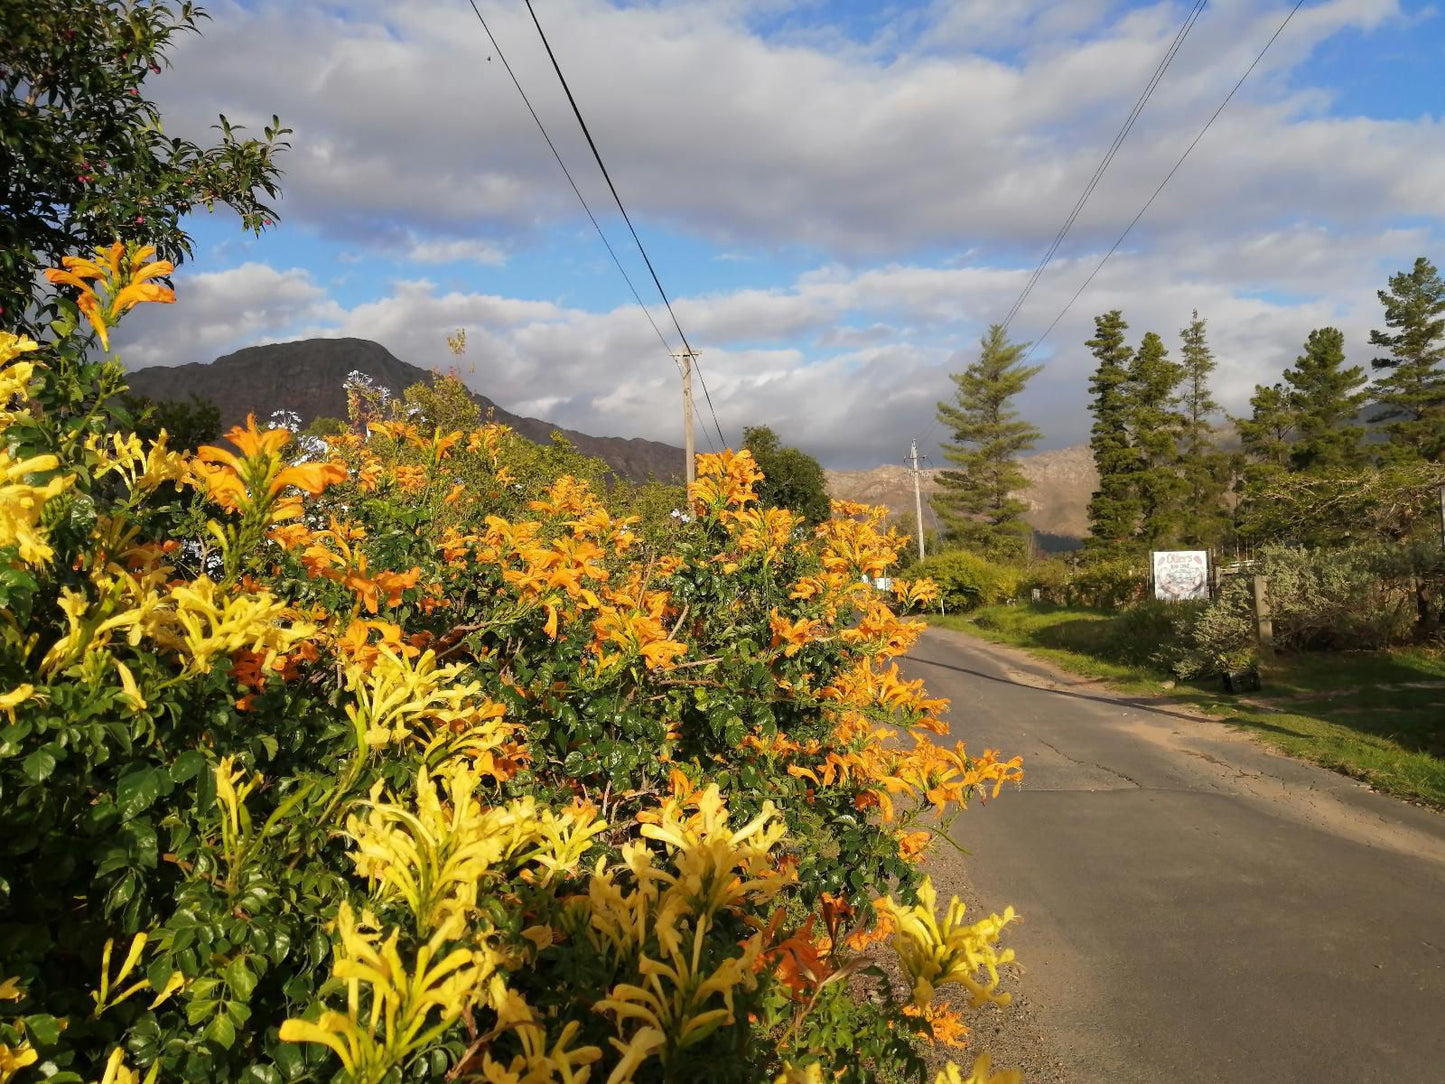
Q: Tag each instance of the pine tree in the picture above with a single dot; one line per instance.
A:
(1269, 432)
(1325, 398)
(1114, 508)
(1268, 436)
(1204, 467)
(976, 501)
(1157, 427)
(1411, 384)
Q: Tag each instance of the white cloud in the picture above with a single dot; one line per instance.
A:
(964, 126)
(401, 118)
(846, 364)
(459, 250)
(222, 310)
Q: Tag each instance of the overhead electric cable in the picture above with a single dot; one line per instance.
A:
(666, 346)
(592, 143)
(1154, 80)
(1140, 103)
(1150, 201)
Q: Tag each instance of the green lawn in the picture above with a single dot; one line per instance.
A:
(1377, 716)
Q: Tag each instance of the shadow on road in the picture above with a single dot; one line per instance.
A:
(1141, 703)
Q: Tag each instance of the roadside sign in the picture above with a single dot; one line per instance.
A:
(1180, 575)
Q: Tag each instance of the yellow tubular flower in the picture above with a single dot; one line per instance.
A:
(15, 376)
(811, 1074)
(117, 1072)
(934, 954)
(13, 699)
(212, 623)
(979, 1074)
(22, 505)
(397, 698)
(15, 1058)
(410, 1004)
(142, 469)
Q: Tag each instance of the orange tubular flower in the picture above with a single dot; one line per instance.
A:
(792, 636)
(124, 276)
(257, 477)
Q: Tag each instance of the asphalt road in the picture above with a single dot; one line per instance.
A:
(1196, 907)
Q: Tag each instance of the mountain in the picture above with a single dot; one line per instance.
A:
(307, 377)
(1060, 485)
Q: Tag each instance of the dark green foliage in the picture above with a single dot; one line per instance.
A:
(1269, 431)
(1410, 387)
(1205, 468)
(1395, 503)
(1157, 427)
(1114, 508)
(976, 501)
(325, 427)
(1325, 397)
(791, 479)
(188, 423)
(84, 160)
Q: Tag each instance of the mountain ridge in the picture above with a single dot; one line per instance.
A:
(306, 376)
(1061, 482)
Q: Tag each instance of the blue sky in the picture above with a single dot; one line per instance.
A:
(838, 196)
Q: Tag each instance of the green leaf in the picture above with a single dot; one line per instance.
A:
(188, 765)
(136, 790)
(222, 1031)
(43, 1029)
(40, 764)
(240, 978)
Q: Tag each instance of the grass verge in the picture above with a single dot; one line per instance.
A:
(1378, 716)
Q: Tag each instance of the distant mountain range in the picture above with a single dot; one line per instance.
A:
(1060, 485)
(307, 377)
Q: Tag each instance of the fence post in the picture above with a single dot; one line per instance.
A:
(1264, 625)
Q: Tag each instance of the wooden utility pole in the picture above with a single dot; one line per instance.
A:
(1264, 623)
(685, 360)
(917, 494)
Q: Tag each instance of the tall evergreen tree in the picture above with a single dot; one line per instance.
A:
(1204, 467)
(976, 500)
(1114, 507)
(1269, 432)
(1325, 397)
(1157, 427)
(1268, 436)
(1410, 386)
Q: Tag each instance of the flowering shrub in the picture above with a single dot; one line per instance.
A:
(382, 765)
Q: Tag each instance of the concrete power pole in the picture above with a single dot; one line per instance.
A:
(917, 494)
(685, 360)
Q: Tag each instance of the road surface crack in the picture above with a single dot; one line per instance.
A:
(1091, 764)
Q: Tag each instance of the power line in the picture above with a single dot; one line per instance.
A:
(1103, 166)
(577, 112)
(666, 346)
(1140, 103)
(1170, 176)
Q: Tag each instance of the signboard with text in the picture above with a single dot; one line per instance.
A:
(1180, 575)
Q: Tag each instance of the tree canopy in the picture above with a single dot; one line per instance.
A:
(791, 478)
(84, 157)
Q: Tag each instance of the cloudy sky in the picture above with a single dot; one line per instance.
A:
(838, 196)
